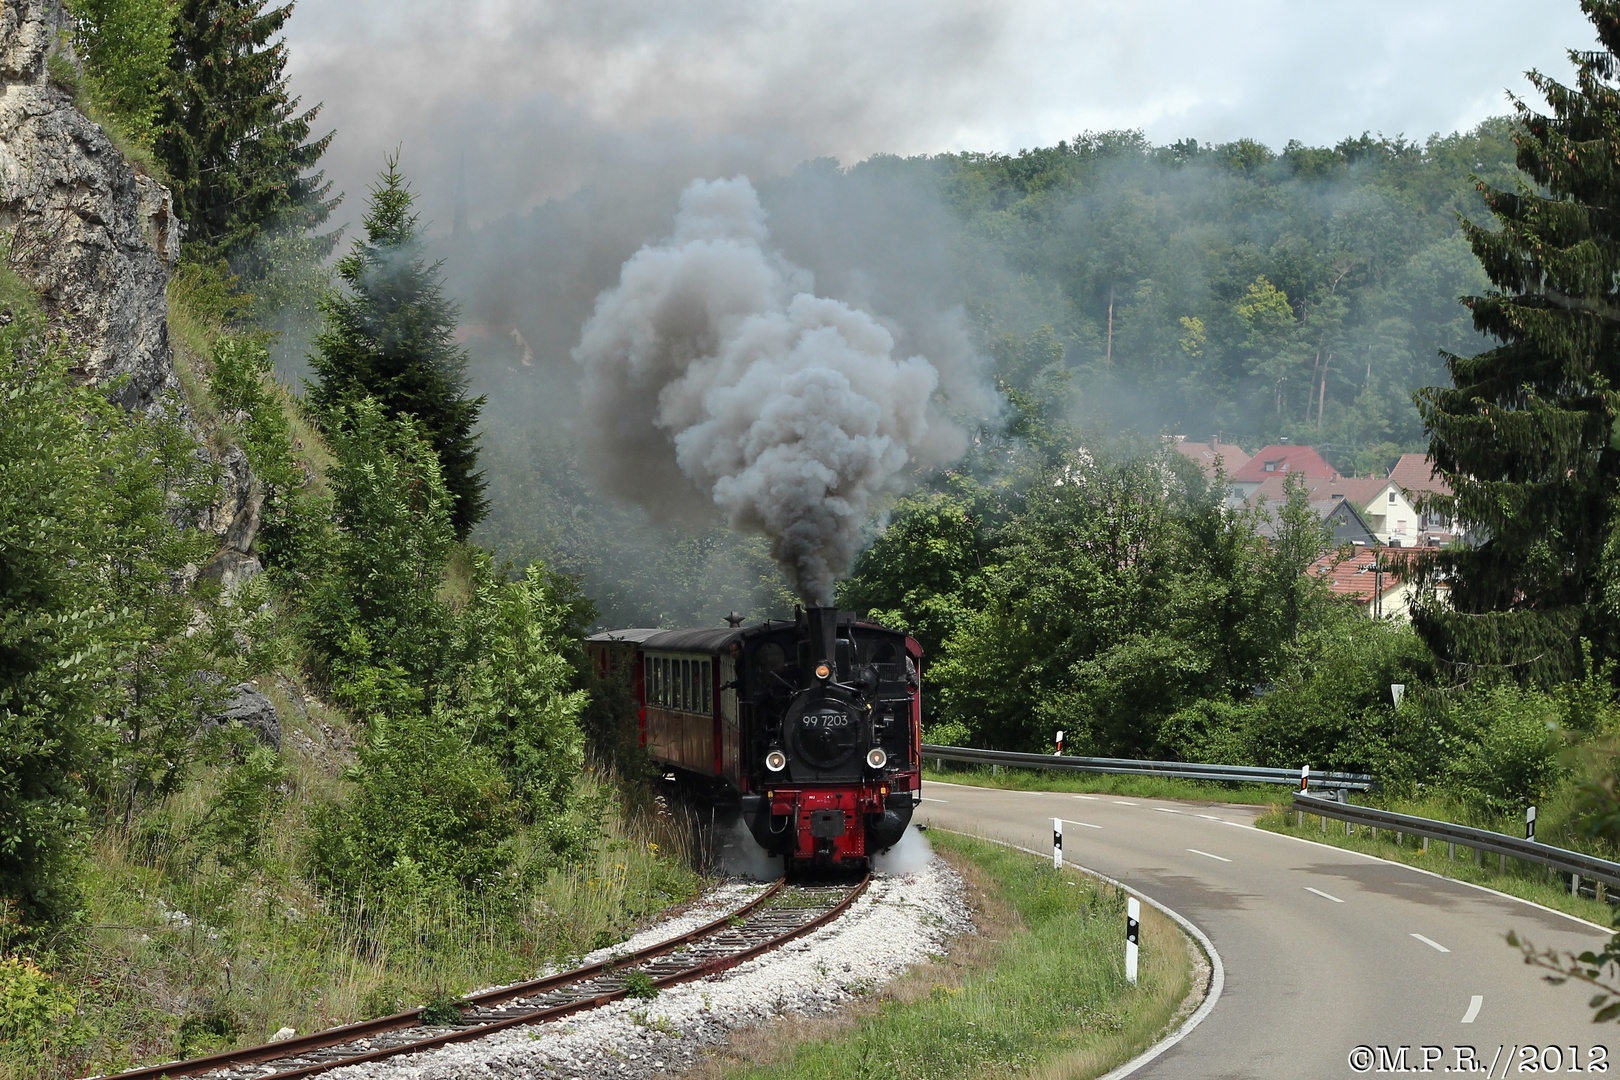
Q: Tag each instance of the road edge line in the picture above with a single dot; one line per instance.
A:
(1217, 970)
(1434, 874)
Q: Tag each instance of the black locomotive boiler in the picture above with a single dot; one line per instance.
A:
(811, 727)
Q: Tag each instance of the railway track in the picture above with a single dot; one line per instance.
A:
(778, 915)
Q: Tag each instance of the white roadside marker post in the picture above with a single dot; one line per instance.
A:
(1057, 843)
(1059, 751)
(1529, 823)
(1133, 933)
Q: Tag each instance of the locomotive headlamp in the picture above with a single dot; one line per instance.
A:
(824, 670)
(776, 761)
(876, 758)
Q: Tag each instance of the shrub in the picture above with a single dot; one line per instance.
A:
(234, 825)
(374, 613)
(512, 690)
(428, 808)
(1511, 757)
(32, 1005)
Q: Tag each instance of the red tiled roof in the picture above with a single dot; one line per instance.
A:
(1300, 460)
(1206, 455)
(1353, 577)
(1415, 472)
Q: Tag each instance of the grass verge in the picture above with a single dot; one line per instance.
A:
(1143, 787)
(1038, 991)
(1525, 880)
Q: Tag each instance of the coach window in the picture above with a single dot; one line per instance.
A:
(663, 681)
(708, 687)
(686, 686)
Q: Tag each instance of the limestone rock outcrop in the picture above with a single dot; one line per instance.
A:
(95, 236)
(98, 239)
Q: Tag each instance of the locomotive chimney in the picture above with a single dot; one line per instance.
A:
(823, 635)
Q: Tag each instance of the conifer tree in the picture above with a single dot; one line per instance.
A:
(1526, 436)
(390, 337)
(231, 136)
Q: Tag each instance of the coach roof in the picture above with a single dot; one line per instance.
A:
(635, 635)
(700, 640)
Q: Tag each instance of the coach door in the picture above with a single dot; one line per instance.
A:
(728, 721)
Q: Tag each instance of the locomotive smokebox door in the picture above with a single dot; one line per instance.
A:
(825, 824)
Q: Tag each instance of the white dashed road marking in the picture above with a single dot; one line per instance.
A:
(1323, 895)
(1207, 855)
(1166, 810)
(1122, 802)
(1473, 1008)
(1087, 824)
(1431, 943)
(927, 799)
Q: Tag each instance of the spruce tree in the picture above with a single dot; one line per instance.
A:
(1526, 436)
(390, 337)
(231, 137)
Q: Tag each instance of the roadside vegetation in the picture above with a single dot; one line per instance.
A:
(300, 774)
(1039, 991)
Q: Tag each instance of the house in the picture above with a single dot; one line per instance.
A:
(1280, 460)
(1367, 576)
(1390, 504)
(1211, 455)
(1343, 517)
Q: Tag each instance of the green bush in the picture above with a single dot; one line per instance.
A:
(34, 1008)
(1510, 758)
(1210, 731)
(233, 828)
(428, 810)
(512, 689)
(373, 612)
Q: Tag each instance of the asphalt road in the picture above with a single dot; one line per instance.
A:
(1324, 950)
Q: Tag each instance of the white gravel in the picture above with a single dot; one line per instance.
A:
(901, 920)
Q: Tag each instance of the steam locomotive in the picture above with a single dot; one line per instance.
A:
(810, 727)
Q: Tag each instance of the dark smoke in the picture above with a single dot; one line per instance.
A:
(714, 374)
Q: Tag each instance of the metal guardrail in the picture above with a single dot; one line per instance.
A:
(1184, 770)
(1568, 862)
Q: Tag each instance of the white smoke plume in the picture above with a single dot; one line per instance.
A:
(712, 372)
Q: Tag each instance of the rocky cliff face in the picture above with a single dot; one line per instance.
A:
(98, 239)
(93, 235)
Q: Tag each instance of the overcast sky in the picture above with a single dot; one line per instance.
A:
(540, 97)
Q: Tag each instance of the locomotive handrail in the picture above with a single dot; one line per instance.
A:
(1184, 770)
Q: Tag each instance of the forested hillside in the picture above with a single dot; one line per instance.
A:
(1106, 284)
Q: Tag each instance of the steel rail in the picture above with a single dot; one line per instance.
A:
(350, 1033)
(1561, 859)
(1184, 770)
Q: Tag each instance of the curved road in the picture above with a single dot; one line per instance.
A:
(1325, 950)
